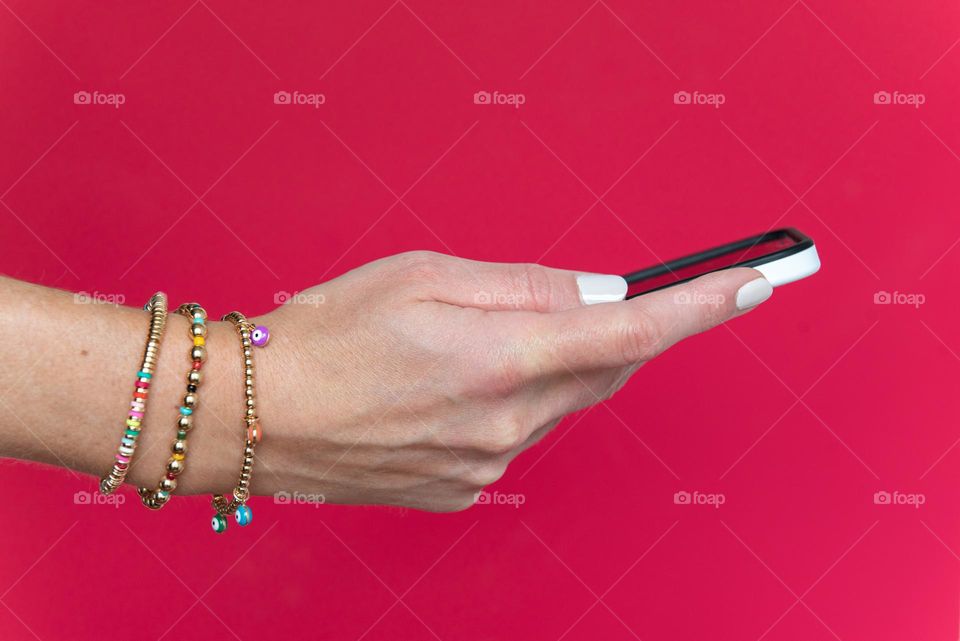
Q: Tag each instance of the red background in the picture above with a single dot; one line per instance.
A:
(796, 414)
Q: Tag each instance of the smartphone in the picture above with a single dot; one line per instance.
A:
(782, 256)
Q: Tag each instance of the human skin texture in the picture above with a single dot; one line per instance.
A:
(413, 380)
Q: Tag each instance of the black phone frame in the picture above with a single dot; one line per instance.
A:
(801, 242)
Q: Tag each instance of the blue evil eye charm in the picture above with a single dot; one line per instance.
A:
(260, 335)
(218, 523)
(244, 515)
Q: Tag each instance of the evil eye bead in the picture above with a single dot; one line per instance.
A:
(244, 515)
(260, 336)
(218, 522)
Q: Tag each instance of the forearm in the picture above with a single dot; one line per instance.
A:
(67, 377)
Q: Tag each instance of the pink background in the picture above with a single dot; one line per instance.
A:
(796, 414)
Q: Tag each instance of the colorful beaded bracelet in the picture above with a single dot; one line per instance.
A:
(157, 498)
(237, 505)
(157, 306)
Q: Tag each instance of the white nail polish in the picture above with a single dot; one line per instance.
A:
(753, 293)
(601, 288)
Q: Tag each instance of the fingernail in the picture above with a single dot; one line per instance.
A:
(601, 288)
(753, 293)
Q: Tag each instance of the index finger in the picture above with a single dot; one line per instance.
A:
(625, 333)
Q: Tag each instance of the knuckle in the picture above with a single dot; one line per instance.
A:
(457, 503)
(419, 266)
(639, 338)
(535, 281)
(464, 502)
(501, 438)
(487, 474)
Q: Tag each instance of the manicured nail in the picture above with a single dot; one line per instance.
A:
(601, 288)
(753, 293)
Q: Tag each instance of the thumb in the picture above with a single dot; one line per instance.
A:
(519, 286)
(622, 334)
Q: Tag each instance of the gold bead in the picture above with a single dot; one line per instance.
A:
(193, 377)
(168, 485)
(248, 362)
(248, 371)
(190, 400)
(246, 342)
(179, 447)
(248, 381)
(198, 353)
(248, 391)
(174, 466)
(252, 412)
(251, 402)
(198, 330)
(185, 422)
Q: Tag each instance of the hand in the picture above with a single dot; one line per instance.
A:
(419, 377)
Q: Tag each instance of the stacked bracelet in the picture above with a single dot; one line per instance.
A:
(157, 306)
(253, 433)
(157, 498)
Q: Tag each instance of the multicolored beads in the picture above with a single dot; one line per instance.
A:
(253, 431)
(157, 498)
(157, 306)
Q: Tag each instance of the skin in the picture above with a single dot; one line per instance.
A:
(413, 380)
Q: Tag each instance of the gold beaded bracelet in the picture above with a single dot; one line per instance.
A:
(157, 306)
(157, 498)
(250, 336)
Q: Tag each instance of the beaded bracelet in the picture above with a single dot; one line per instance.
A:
(157, 306)
(237, 505)
(157, 498)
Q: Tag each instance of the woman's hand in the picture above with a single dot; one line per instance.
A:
(416, 379)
